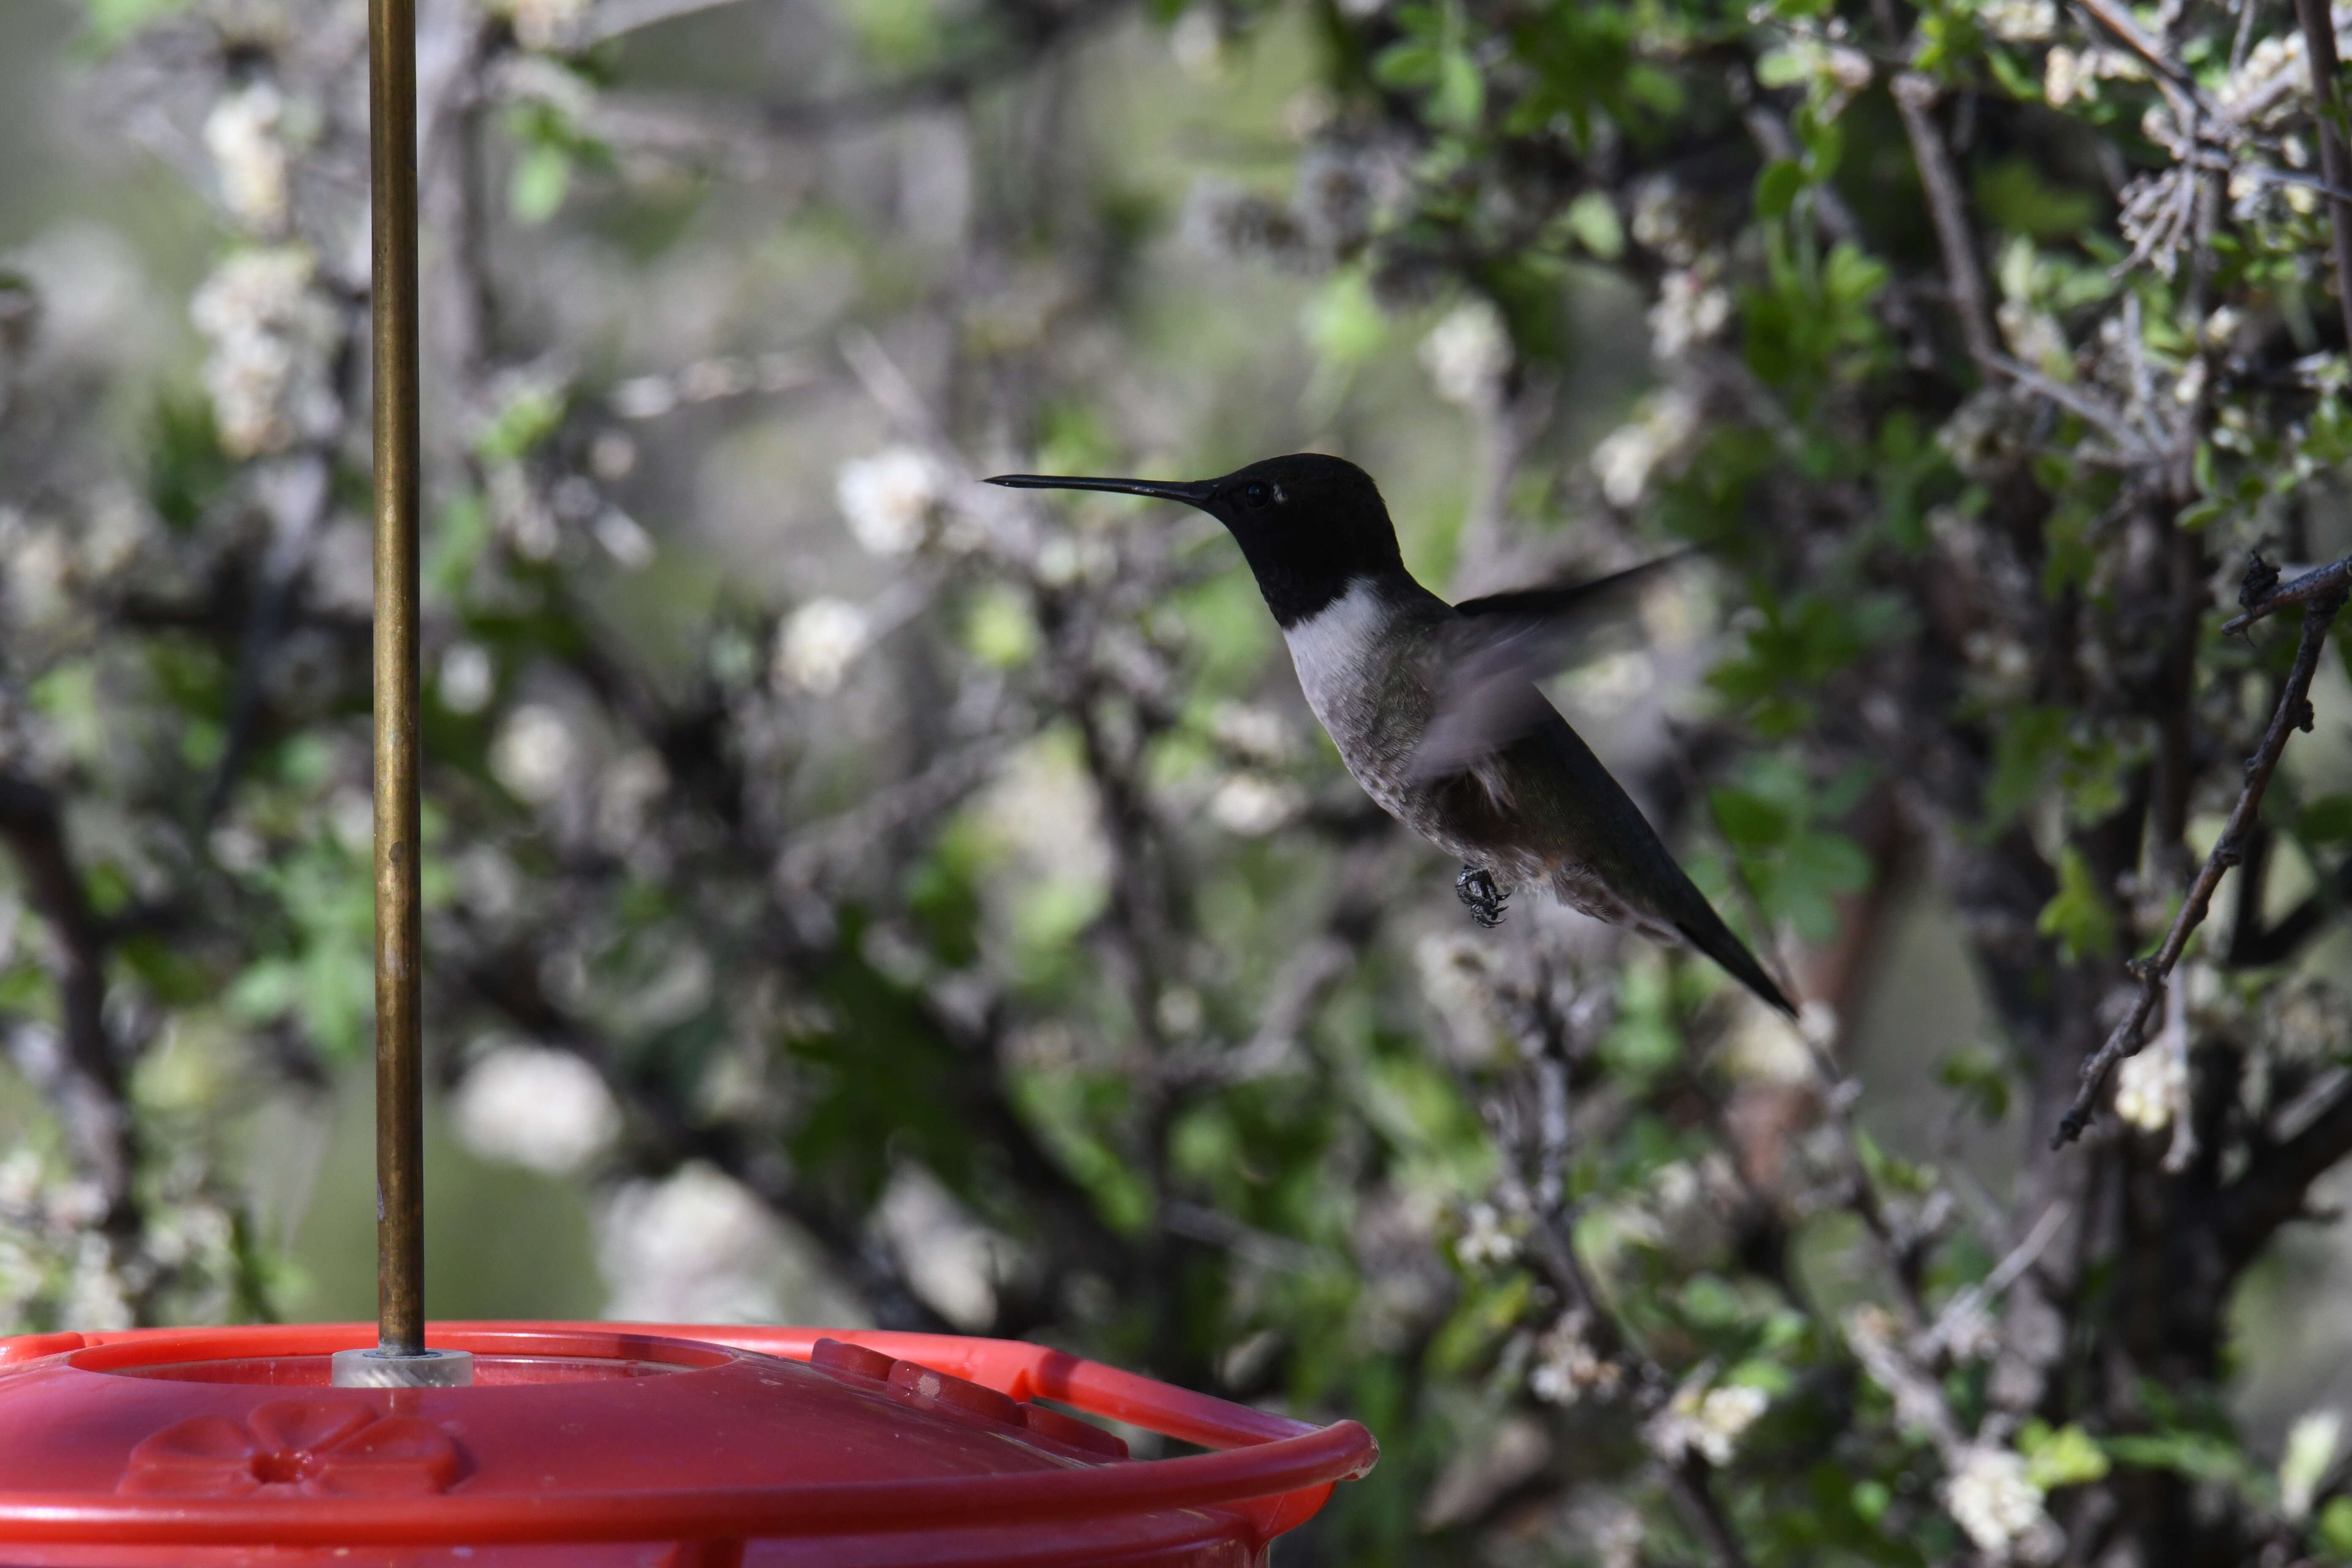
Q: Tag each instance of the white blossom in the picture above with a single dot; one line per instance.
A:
(242, 135)
(1457, 977)
(625, 797)
(469, 679)
(351, 817)
(1990, 1496)
(541, 24)
(2033, 336)
(1614, 682)
(2274, 77)
(1665, 220)
(950, 1261)
(1626, 457)
(1252, 730)
(1197, 43)
(95, 1300)
(1567, 1368)
(526, 1105)
(694, 1247)
(535, 753)
(1251, 806)
(1178, 1011)
(2019, 21)
(624, 539)
(1484, 1240)
(2310, 1449)
(890, 499)
(1690, 310)
(2062, 77)
(817, 644)
(2148, 1086)
(1707, 1421)
(1468, 352)
(271, 335)
(1042, 808)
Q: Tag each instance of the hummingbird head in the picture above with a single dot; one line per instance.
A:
(1308, 524)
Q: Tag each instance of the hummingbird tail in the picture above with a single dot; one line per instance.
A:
(1712, 937)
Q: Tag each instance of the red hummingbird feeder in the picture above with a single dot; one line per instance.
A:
(590, 1444)
(602, 1444)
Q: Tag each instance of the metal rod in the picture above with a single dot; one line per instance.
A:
(399, 935)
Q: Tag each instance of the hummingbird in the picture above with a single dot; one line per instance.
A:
(1434, 707)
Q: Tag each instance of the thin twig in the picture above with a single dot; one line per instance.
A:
(2128, 33)
(1967, 1306)
(96, 1102)
(2332, 580)
(2294, 713)
(2131, 445)
(1694, 1479)
(1915, 95)
(2334, 161)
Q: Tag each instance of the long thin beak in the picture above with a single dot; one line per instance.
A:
(1192, 492)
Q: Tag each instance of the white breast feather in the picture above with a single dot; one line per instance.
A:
(1333, 650)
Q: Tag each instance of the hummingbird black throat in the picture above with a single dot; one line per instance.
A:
(1434, 707)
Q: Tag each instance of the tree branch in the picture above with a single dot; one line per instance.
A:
(2329, 581)
(2334, 162)
(1915, 96)
(2294, 713)
(96, 1111)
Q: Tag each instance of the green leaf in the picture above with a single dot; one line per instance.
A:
(2327, 820)
(2335, 1526)
(2028, 742)
(999, 629)
(2199, 1456)
(1979, 1076)
(521, 423)
(1343, 322)
(2065, 1457)
(1592, 218)
(1748, 820)
(2015, 198)
(899, 35)
(2078, 915)
(2202, 515)
(112, 22)
(1777, 187)
(542, 176)
(1461, 96)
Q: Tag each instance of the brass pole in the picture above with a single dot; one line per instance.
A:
(399, 934)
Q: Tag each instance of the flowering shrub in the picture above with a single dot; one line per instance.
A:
(890, 895)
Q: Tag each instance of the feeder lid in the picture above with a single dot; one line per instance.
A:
(581, 1431)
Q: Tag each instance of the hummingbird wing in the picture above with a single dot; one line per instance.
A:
(1488, 661)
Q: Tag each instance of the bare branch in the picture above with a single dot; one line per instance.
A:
(2294, 713)
(1915, 95)
(2127, 32)
(2334, 161)
(96, 1108)
(2323, 583)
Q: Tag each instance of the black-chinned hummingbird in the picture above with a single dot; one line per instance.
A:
(1434, 707)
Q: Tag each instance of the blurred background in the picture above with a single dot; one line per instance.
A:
(856, 896)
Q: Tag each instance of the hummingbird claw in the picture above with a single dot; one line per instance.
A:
(1475, 887)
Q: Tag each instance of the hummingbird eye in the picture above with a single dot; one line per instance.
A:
(1255, 495)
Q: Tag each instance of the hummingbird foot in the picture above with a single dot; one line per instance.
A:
(1475, 887)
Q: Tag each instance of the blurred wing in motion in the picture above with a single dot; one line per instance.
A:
(1491, 659)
